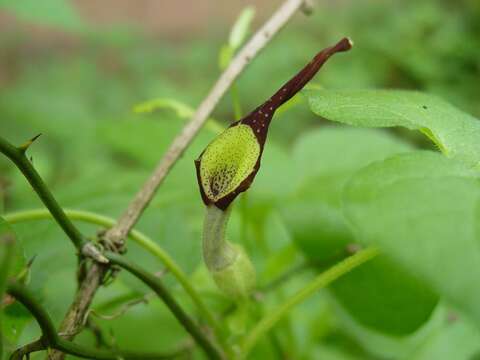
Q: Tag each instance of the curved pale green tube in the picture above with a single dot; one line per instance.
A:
(228, 263)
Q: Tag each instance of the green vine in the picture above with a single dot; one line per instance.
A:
(138, 237)
(18, 157)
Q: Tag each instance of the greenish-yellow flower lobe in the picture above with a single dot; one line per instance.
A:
(228, 160)
(230, 163)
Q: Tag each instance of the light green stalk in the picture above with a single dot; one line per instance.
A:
(228, 263)
(321, 281)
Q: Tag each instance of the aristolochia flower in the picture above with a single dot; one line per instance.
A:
(231, 161)
(227, 167)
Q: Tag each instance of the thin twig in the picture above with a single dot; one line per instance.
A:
(72, 323)
(261, 38)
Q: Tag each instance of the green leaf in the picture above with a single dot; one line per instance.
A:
(182, 110)
(385, 297)
(241, 28)
(7, 243)
(7, 252)
(379, 295)
(335, 153)
(457, 339)
(237, 36)
(422, 210)
(59, 13)
(12, 259)
(225, 56)
(8, 263)
(454, 132)
(324, 159)
(14, 320)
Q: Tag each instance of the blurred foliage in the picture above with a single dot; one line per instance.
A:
(95, 152)
(58, 13)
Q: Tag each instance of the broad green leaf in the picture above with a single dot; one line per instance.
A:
(383, 296)
(422, 210)
(325, 159)
(454, 132)
(271, 183)
(59, 13)
(423, 342)
(456, 339)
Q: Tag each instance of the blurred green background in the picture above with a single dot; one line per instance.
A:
(74, 70)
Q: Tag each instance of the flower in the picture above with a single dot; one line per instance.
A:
(231, 161)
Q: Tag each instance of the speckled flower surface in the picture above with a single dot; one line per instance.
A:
(231, 161)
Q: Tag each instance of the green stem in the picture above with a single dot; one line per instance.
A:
(319, 282)
(237, 108)
(228, 264)
(244, 221)
(217, 252)
(156, 285)
(7, 252)
(25, 351)
(17, 156)
(51, 339)
(142, 240)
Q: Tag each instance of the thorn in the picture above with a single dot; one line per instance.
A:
(30, 262)
(24, 274)
(91, 251)
(25, 146)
